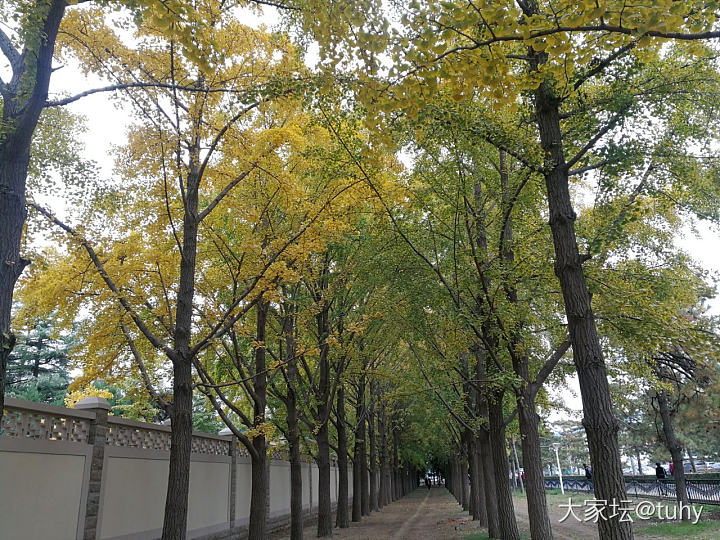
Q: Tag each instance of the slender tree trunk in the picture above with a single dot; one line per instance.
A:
(176, 501)
(357, 457)
(540, 528)
(528, 420)
(373, 468)
(475, 487)
(396, 462)
(324, 503)
(517, 465)
(673, 445)
(259, 460)
(506, 511)
(324, 527)
(692, 461)
(342, 520)
(513, 472)
(600, 424)
(23, 100)
(382, 428)
(296, 483)
(361, 437)
(293, 434)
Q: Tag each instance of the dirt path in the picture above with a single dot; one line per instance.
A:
(421, 515)
(435, 515)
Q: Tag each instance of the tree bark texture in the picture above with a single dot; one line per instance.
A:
(373, 468)
(259, 463)
(341, 513)
(675, 449)
(23, 102)
(600, 424)
(506, 511)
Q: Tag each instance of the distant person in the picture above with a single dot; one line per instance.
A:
(427, 483)
(672, 469)
(522, 475)
(588, 471)
(659, 471)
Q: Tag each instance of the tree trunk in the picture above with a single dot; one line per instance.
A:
(176, 501)
(341, 514)
(384, 488)
(540, 527)
(475, 487)
(23, 101)
(361, 434)
(506, 511)
(293, 433)
(296, 484)
(260, 482)
(373, 468)
(692, 461)
(639, 462)
(396, 463)
(599, 422)
(324, 527)
(481, 482)
(517, 465)
(673, 445)
(258, 490)
(357, 469)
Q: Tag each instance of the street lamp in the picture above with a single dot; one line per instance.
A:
(556, 447)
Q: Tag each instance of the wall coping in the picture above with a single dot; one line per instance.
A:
(14, 403)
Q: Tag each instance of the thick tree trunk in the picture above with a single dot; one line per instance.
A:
(599, 422)
(341, 514)
(24, 98)
(475, 486)
(673, 445)
(373, 468)
(540, 527)
(480, 472)
(258, 490)
(506, 511)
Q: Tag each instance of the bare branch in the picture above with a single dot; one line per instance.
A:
(548, 366)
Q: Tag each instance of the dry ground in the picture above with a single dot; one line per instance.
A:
(434, 515)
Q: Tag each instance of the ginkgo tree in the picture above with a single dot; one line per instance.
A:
(158, 268)
(544, 52)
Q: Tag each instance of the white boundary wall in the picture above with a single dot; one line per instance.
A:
(76, 474)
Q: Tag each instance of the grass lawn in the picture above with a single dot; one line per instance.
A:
(703, 530)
